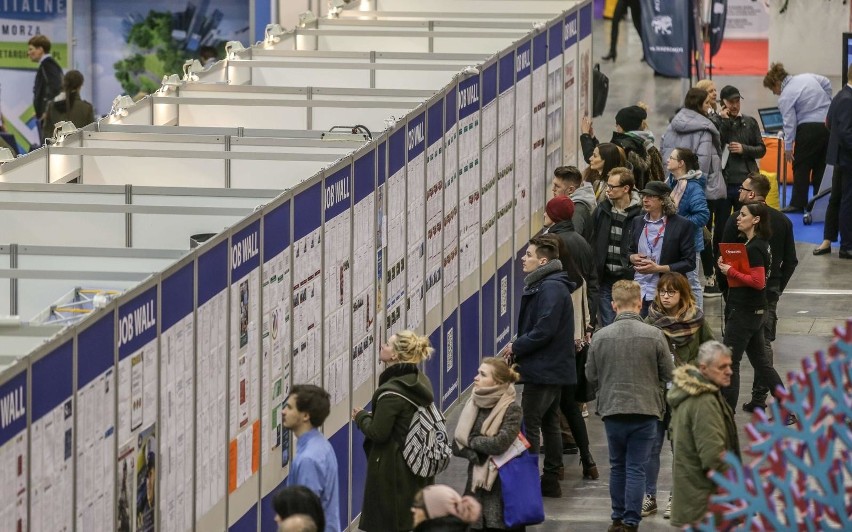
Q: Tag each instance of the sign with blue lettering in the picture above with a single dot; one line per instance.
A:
(571, 29)
(539, 50)
(523, 61)
(177, 296)
(245, 251)
(212, 272)
(13, 408)
(450, 114)
(468, 97)
(586, 21)
(276, 231)
(307, 215)
(336, 197)
(52, 380)
(137, 323)
(507, 72)
(489, 84)
(554, 41)
(416, 136)
(95, 350)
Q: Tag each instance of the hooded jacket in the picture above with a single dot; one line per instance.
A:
(602, 224)
(581, 252)
(635, 148)
(702, 429)
(693, 204)
(390, 485)
(544, 347)
(742, 129)
(689, 129)
(584, 206)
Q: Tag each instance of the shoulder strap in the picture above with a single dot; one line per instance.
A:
(383, 394)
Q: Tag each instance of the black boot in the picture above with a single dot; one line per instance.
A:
(550, 486)
(609, 57)
(590, 468)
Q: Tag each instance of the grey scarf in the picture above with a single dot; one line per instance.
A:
(543, 271)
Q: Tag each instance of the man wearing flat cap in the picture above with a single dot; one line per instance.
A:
(660, 241)
(741, 135)
(630, 134)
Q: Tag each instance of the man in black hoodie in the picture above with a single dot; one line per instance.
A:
(544, 351)
(783, 245)
(627, 120)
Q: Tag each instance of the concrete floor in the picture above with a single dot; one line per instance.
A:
(817, 298)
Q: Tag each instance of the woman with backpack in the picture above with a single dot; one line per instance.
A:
(391, 484)
(488, 425)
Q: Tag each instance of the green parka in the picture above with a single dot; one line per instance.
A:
(702, 429)
(390, 485)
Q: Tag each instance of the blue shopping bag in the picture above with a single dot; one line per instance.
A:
(522, 502)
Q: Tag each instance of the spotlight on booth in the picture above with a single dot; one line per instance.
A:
(307, 19)
(6, 155)
(191, 69)
(336, 6)
(120, 106)
(170, 83)
(273, 34)
(62, 130)
(358, 133)
(232, 48)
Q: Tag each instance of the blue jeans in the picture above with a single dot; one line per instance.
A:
(652, 470)
(607, 314)
(695, 283)
(540, 406)
(630, 439)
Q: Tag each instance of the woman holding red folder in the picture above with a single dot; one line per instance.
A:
(747, 303)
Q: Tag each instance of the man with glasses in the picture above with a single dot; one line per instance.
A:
(612, 221)
(782, 243)
(660, 241)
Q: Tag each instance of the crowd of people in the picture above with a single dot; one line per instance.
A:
(612, 311)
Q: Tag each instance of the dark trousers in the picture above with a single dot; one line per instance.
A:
(540, 405)
(720, 211)
(744, 332)
(630, 440)
(759, 391)
(832, 212)
(844, 176)
(618, 16)
(808, 161)
(571, 410)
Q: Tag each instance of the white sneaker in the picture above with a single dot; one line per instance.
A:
(667, 513)
(585, 410)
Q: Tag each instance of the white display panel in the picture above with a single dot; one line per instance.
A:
(570, 134)
(555, 115)
(13, 450)
(488, 190)
(276, 342)
(364, 271)
(505, 150)
(451, 195)
(415, 220)
(523, 117)
(469, 177)
(539, 128)
(307, 287)
(434, 207)
(396, 250)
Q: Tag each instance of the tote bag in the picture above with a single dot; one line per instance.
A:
(522, 502)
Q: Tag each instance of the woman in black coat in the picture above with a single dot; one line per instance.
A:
(391, 485)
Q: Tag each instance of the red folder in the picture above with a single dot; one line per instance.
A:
(735, 255)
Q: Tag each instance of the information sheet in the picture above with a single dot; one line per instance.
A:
(434, 205)
(488, 188)
(539, 123)
(396, 249)
(523, 117)
(364, 271)
(555, 94)
(307, 287)
(416, 220)
(451, 194)
(506, 150)
(469, 176)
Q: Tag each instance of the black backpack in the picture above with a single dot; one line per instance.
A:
(600, 90)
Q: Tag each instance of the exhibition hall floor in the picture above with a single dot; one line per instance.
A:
(817, 298)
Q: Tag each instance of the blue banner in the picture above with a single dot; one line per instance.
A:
(396, 151)
(507, 71)
(450, 110)
(470, 340)
(416, 135)
(307, 215)
(95, 350)
(554, 41)
(245, 251)
(718, 16)
(435, 122)
(539, 50)
(666, 38)
(488, 313)
(571, 30)
(137, 323)
(337, 195)
(13, 408)
(586, 20)
(489, 84)
(212, 272)
(468, 97)
(177, 296)
(52, 384)
(365, 175)
(523, 61)
(381, 165)
(276, 231)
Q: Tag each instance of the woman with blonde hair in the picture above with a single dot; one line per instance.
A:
(674, 311)
(489, 422)
(390, 484)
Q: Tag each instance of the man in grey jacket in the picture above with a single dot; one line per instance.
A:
(568, 181)
(629, 364)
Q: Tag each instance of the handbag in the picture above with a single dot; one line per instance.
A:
(522, 501)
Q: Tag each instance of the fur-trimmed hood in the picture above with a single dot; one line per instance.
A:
(687, 381)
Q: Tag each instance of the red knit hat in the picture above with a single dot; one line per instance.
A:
(560, 208)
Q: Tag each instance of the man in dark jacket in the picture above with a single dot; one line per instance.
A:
(783, 245)
(558, 220)
(613, 220)
(839, 122)
(48, 81)
(627, 121)
(661, 241)
(544, 351)
(741, 134)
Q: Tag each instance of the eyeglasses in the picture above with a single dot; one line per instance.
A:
(746, 189)
(667, 293)
(610, 187)
(673, 158)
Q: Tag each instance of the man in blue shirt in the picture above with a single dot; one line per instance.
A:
(803, 101)
(315, 465)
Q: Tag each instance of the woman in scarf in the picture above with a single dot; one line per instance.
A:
(489, 423)
(687, 184)
(675, 313)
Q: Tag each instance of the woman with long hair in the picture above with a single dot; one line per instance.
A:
(439, 508)
(488, 425)
(390, 485)
(604, 158)
(675, 313)
(747, 303)
(68, 106)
